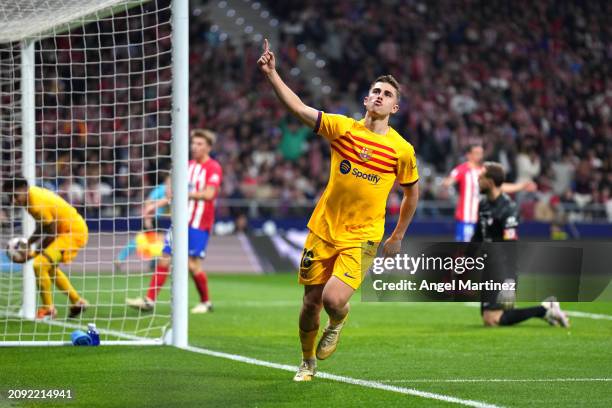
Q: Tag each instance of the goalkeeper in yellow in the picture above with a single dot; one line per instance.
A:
(60, 233)
(367, 158)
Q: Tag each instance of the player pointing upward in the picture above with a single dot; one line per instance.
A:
(368, 156)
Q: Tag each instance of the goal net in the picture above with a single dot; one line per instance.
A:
(85, 112)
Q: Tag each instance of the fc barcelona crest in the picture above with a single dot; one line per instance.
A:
(365, 154)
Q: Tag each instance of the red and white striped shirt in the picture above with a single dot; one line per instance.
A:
(469, 191)
(202, 175)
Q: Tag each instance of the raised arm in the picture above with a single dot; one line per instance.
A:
(293, 103)
(511, 188)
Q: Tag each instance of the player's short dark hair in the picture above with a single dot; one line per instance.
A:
(495, 172)
(389, 79)
(471, 147)
(14, 183)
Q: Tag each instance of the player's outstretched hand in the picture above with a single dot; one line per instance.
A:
(267, 62)
(531, 186)
(391, 247)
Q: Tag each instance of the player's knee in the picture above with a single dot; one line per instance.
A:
(39, 264)
(490, 319)
(164, 261)
(333, 303)
(312, 304)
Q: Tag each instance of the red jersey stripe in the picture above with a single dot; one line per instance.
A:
(347, 157)
(372, 143)
(385, 155)
(351, 150)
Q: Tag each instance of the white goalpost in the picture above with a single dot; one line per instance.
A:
(94, 107)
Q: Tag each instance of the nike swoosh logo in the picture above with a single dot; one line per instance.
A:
(348, 276)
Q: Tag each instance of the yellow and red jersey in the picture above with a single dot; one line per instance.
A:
(364, 168)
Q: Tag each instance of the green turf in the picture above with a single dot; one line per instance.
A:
(405, 345)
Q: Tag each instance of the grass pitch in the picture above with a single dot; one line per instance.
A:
(440, 348)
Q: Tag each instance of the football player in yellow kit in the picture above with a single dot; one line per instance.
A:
(367, 158)
(62, 232)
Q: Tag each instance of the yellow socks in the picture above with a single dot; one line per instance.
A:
(41, 269)
(45, 271)
(333, 322)
(308, 338)
(62, 282)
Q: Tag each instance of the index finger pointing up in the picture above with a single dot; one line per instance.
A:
(266, 46)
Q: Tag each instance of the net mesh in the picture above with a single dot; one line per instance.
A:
(102, 136)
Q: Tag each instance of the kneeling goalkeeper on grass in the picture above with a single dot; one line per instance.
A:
(62, 232)
(498, 221)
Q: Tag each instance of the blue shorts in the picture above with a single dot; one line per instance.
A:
(197, 242)
(464, 231)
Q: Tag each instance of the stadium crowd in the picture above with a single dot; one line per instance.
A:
(529, 80)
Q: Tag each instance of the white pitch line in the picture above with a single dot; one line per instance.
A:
(258, 303)
(497, 380)
(595, 316)
(573, 313)
(347, 380)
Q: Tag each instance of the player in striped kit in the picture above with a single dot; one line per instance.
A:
(466, 177)
(205, 176)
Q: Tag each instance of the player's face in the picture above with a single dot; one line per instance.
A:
(20, 197)
(199, 148)
(484, 182)
(382, 100)
(476, 155)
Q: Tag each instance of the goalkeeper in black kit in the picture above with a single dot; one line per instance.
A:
(498, 221)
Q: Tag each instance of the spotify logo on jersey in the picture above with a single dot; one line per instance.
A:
(345, 167)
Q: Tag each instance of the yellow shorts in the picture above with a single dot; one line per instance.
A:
(65, 247)
(321, 260)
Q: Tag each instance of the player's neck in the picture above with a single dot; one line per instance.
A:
(493, 194)
(377, 125)
(203, 159)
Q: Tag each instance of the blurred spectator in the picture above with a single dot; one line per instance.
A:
(293, 140)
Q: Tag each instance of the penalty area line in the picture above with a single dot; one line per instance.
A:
(347, 380)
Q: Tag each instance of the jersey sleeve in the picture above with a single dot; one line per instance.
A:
(213, 178)
(158, 193)
(332, 126)
(510, 224)
(407, 172)
(455, 174)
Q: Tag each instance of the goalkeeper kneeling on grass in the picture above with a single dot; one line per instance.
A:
(498, 221)
(60, 233)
